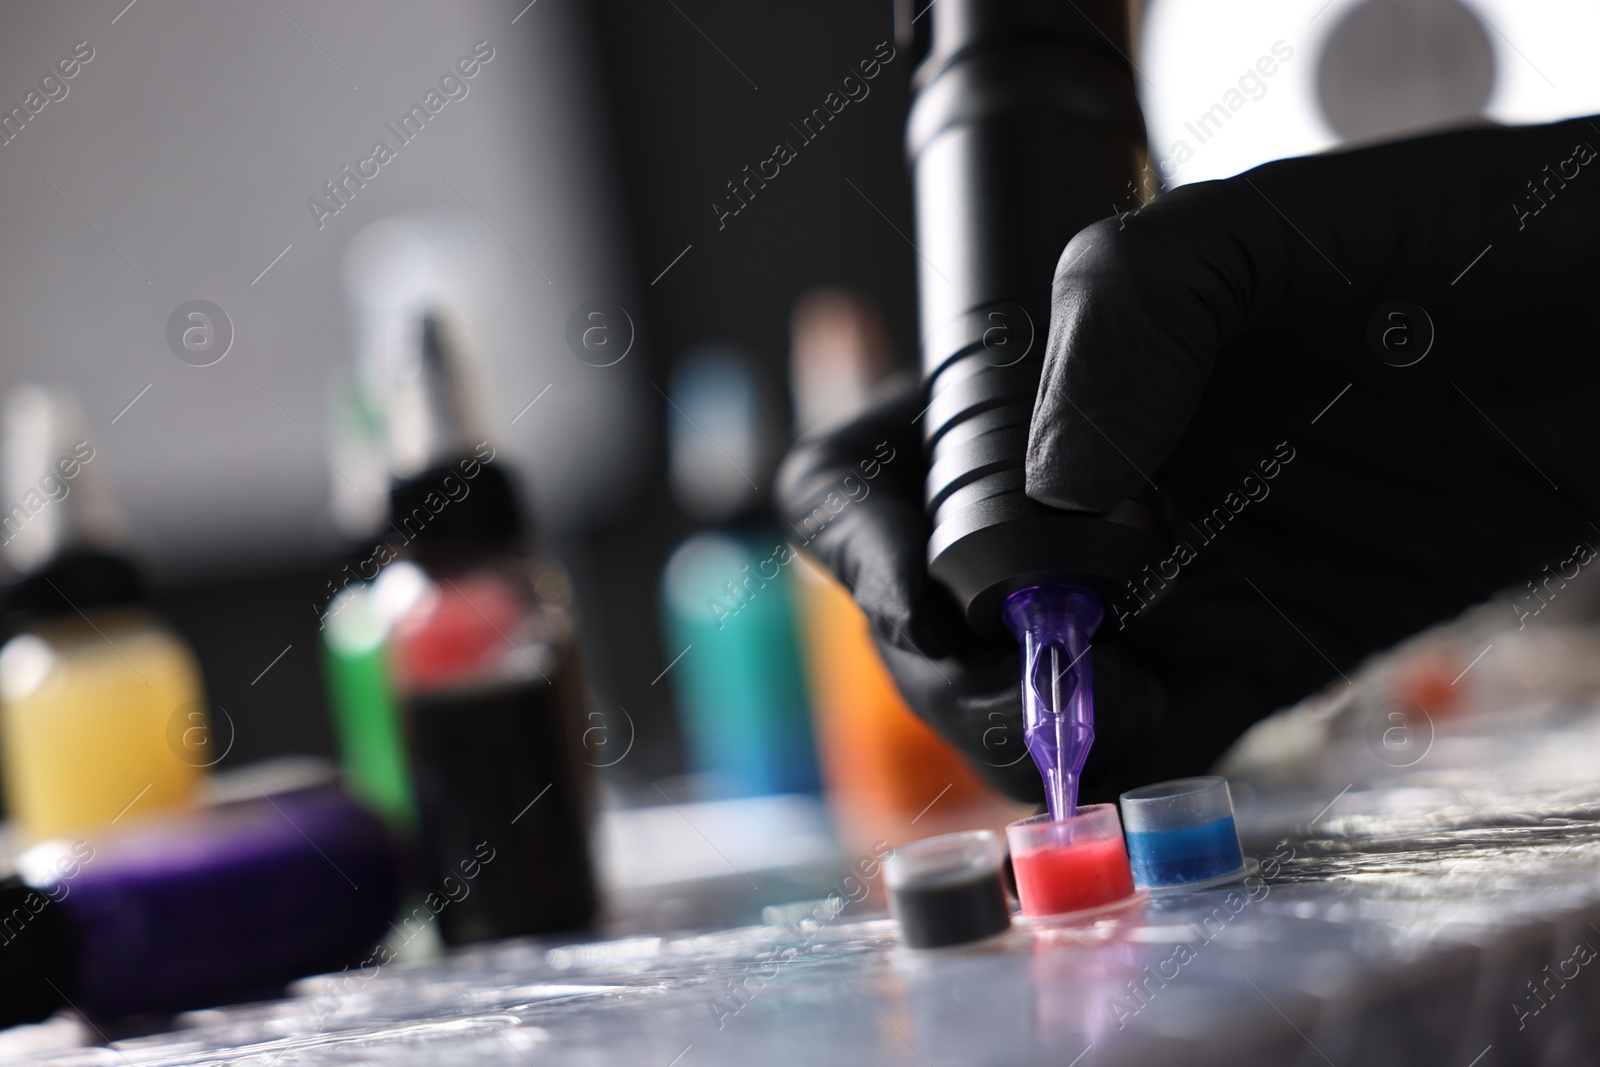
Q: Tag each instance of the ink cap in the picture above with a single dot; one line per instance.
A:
(947, 890)
(1182, 836)
(1072, 869)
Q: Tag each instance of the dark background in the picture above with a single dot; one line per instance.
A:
(684, 123)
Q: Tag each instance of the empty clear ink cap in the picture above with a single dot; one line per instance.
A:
(1181, 834)
(947, 890)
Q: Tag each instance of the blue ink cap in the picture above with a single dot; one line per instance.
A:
(1181, 834)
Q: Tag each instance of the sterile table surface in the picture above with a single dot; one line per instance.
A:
(1406, 916)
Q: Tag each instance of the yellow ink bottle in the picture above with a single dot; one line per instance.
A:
(102, 715)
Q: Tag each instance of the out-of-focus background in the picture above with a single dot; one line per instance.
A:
(598, 162)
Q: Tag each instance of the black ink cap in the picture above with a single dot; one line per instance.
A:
(947, 890)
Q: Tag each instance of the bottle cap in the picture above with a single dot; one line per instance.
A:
(61, 526)
(716, 439)
(838, 351)
(428, 417)
(444, 489)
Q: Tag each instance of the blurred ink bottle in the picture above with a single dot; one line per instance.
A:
(461, 654)
(354, 624)
(102, 712)
(226, 901)
(882, 763)
(727, 595)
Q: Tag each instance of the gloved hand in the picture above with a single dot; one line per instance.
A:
(1364, 385)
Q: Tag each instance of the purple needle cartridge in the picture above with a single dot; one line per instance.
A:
(1053, 623)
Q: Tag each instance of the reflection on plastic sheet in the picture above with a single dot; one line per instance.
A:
(1353, 949)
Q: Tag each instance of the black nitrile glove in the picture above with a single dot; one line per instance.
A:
(1364, 383)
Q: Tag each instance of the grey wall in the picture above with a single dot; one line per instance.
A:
(188, 148)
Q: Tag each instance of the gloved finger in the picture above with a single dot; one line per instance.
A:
(1142, 306)
(881, 446)
(973, 701)
(853, 499)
